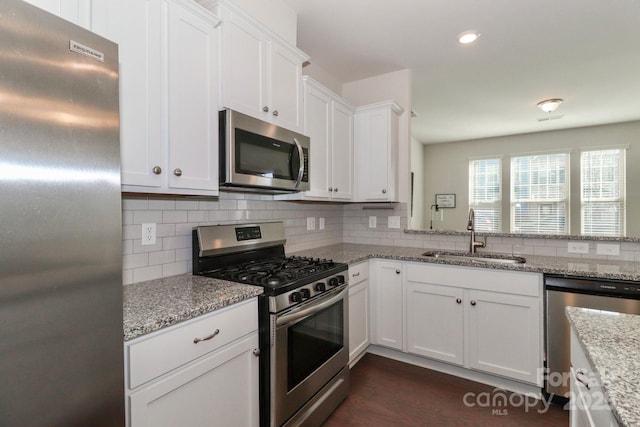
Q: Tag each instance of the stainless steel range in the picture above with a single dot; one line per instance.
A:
(303, 318)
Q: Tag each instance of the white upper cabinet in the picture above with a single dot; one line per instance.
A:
(328, 121)
(376, 152)
(342, 150)
(260, 74)
(136, 27)
(76, 11)
(168, 94)
(191, 90)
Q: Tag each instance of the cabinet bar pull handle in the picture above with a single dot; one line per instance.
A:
(157, 170)
(473, 302)
(197, 340)
(356, 274)
(580, 372)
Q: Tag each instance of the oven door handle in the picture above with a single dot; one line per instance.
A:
(301, 155)
(306, 312)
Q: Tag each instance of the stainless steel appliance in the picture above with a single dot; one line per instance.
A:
(61, 360)
(256, 154)
(596, 294)
(303, 318)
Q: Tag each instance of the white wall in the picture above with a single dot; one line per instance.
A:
(392, 86)
(320, 75)
(416, 219)
(446, 168)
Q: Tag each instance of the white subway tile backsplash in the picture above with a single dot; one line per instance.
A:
(346, 223)
(173, 216)
(147, 273)
(142, 217)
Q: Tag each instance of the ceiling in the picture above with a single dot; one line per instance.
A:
(586, 52)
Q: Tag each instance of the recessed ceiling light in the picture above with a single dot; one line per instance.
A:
(549, 105)
(468, 37)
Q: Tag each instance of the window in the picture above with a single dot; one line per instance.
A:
(485, 193)
(602, 194)
(540, 194)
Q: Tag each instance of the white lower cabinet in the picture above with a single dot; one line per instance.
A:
(480, 319)
(173, 380)
(504, 333)
(435, 322)
(387, 304)
(358, 311)
(588, 405)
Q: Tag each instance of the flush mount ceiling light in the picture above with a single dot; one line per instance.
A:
(549, 105)
(468, 37)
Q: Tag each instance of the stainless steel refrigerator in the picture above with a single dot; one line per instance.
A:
(61, 340)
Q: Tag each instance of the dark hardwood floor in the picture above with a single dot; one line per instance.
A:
(385, 392)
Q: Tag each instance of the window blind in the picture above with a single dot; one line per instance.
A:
(603, 198)
(540, 194)
(485, 193)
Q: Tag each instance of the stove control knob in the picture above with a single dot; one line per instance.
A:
(320, 287)
(333, 282)
(295, 297)
(306, 293)
(341, 279)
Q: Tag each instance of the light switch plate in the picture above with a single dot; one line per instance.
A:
(311, 223)
(372, 222)
(578, 247)
(393, 222)
(608, 249)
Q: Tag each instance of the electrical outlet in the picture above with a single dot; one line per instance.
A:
(148, 234)
(321, 224)
(311, 223)
(607, 249)
(393, 221)
(578, 247)
(372, 222)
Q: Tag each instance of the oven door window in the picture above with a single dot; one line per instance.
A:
(266, 157)
(313, 341)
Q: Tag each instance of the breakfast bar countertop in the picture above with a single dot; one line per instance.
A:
(611, 342)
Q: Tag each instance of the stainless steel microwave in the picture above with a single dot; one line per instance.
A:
(259, 155)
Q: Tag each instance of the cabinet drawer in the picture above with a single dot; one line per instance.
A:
(511, 282)
(358, 272)
(166, 350)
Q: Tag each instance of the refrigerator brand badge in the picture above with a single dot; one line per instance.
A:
(74, 46)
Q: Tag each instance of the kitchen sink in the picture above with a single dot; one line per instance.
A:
(475, 258)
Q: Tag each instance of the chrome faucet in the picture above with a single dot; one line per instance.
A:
(471, 226)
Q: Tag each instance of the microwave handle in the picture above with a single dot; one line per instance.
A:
(301, 170)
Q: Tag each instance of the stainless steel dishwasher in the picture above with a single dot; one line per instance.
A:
(596, 294)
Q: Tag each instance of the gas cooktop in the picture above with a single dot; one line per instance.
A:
(280, 274)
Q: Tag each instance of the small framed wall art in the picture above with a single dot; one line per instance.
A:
(446, 200)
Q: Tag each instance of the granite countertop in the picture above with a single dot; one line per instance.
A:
(601, 269)
(156, 304)
(611, 342)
